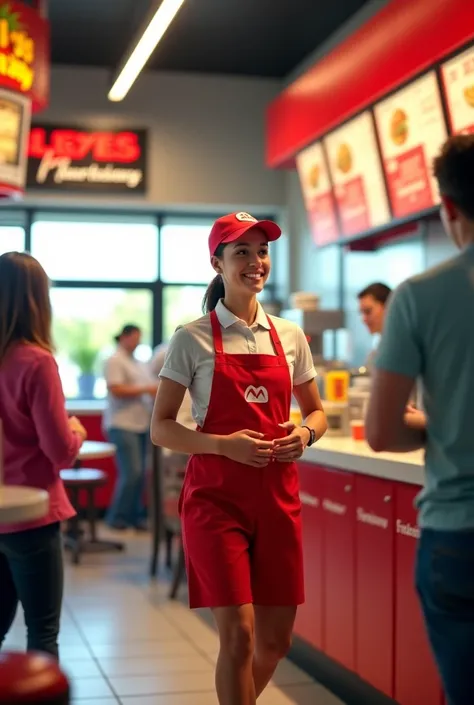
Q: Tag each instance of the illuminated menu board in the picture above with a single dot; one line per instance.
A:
(317, 193)
(357, 175)
(458, 81)
(411, 129)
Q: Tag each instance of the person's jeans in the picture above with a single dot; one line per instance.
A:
(445, 583)
(31, 572)
(127, 508)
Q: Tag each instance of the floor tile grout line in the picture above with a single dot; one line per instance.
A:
(93, 656)
(178, 627)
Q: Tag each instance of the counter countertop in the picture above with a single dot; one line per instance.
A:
(85, 407)
(356, 456)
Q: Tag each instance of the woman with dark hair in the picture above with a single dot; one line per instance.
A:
(39, 440)
(240, 507)
(130, 389)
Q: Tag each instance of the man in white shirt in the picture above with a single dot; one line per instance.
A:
(131, 390)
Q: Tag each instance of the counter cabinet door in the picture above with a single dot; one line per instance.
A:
(416, 678)
(375, 563)
(338, 509)
(309, 619)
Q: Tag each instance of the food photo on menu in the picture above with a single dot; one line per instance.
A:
(317, 193)
(356, 172)
(412, 129)
(458, 83)
(10, 131)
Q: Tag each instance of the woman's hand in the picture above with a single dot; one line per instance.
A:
(76, 427)
(248, 448)
(414, 418)
(291, 447)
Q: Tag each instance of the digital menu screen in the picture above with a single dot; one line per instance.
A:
(356, 172)
(458, 82)
(318, 195)
(412, 129)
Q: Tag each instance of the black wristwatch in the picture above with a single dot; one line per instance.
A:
(312, 436)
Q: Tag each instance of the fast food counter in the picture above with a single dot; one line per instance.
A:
(361, 631)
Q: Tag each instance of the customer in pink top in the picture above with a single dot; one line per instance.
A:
(39, 440)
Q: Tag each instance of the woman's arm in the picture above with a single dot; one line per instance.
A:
(309, 401)
(292, 446)
(168, 433)
(46, 401)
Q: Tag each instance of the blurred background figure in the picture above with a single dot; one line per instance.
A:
(372, 306)
(130, 393)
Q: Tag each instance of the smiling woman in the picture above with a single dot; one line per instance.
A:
(241, 489)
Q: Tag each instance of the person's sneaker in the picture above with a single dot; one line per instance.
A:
(142, 526)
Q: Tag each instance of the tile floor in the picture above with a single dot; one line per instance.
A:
(123, 642)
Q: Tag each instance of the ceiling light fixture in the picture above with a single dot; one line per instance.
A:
(160, 20)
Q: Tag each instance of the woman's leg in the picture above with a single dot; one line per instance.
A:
(234, 678)
(8, 598)
(36, 562)
(273, 629)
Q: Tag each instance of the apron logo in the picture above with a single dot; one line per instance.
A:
(256, 395)
(245, 218)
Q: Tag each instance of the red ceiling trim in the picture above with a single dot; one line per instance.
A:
(400, 41)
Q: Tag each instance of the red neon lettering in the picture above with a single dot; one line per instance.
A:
(122, 147)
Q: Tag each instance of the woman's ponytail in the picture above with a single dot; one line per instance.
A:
(216, 289)
(214, 293)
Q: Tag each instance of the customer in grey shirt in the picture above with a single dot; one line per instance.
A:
(131, 390)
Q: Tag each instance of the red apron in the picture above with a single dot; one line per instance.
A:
(241, 524)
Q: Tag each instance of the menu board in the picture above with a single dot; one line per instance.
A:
(15, 117)
(357, 175)
(412, 129)
(317, 193)
(458, 81)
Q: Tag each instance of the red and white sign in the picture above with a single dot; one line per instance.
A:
(24, 52)
(412, 129)
(458, 81)
(357, 175)
(317, 193)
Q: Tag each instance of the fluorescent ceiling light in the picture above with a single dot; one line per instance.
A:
(158, 25)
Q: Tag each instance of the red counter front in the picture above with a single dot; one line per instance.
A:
(361, 605)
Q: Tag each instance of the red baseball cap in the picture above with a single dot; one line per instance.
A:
(231, 227)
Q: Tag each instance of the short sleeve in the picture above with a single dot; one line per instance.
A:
(304, 366)
(179, 364)
(114, 371)
(400, 350)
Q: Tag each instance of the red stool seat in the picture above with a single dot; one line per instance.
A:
(31, 678)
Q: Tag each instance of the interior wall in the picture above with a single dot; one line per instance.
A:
(206, 136)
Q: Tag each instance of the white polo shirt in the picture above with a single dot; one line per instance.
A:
(127, 413)
(190, 356)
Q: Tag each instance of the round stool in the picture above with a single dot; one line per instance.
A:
(33, 678)
(88, 480)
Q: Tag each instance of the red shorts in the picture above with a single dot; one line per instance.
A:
(242, 533)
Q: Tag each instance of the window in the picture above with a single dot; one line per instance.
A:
(85, 322)
(184, 254)
(181, 304)
(12, 238)
(81, 249)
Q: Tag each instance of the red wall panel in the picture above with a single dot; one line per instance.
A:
(403, 39)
